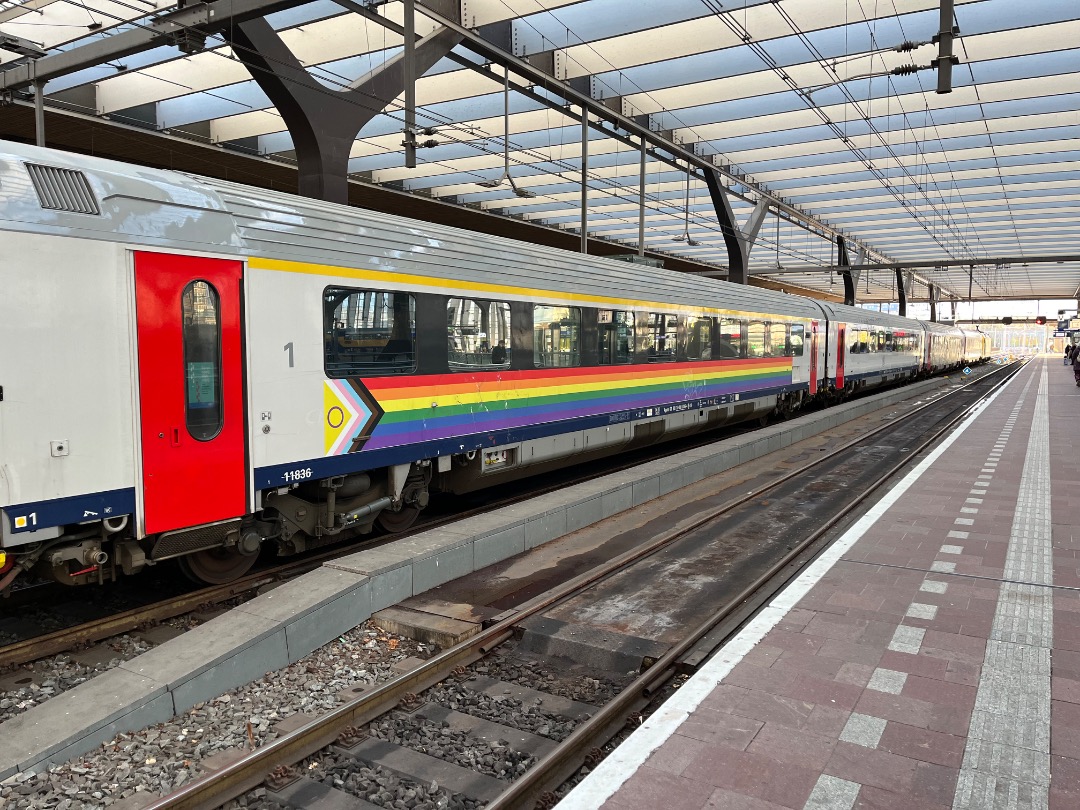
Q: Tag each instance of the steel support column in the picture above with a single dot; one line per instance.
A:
(584, 180)
(851, 281)
(324, 123)
(753, 224)
(641, 202)
(901, 294)
(39, 112)
(944, 39)
(739, 241)
(738, 254)
(933, 302)
(408, 66)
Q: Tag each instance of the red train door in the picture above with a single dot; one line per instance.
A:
(841, 345)
(190, 390)
(813, 357)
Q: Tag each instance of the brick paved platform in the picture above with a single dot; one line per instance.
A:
(930, 659)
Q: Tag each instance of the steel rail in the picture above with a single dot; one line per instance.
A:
(58, 641)
(213, 789)
(567, 757)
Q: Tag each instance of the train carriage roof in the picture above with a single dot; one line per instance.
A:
(870, 317)
(165, 209)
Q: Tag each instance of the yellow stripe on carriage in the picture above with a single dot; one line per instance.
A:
(391, 279)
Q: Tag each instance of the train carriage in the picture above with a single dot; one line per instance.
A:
(943, 348)
(977, 346)
(192, 368)
(868, 348)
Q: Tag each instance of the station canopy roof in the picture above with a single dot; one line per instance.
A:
(828, 107)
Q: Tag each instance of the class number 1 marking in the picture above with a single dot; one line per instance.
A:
(288, 348)
(23, 521)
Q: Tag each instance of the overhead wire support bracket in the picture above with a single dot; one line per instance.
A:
(520, 192)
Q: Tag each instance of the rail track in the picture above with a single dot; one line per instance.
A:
(342, 729)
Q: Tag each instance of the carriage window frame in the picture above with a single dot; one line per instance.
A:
(209, 362)
(660, 328)
(480, 357)
(380, 362)
(723, 338)
(777, 343)
(621, 352)
(796, 340)
(699, 331)
(751, 327)
(548, 314)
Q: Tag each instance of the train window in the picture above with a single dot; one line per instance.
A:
(661, 331)
(731, 343)
(797, 340)
(882, 345)
(478, 334)
(853, 348)
(699, 339)
(890, 342)
(777, 345)
(616, 337)
(368, 332)
(203, 412)
(556, 336)
(756, 335)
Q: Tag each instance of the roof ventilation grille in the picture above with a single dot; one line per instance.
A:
(63, 189)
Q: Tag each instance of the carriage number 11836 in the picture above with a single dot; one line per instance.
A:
(297, 475)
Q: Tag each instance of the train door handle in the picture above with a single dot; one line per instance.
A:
(176, 437)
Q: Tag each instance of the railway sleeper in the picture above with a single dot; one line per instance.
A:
(406, 763)
(307, 793)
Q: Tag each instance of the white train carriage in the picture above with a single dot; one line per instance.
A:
(867, 349)
(192, 367)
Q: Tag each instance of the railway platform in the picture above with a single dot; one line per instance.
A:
(930, 658)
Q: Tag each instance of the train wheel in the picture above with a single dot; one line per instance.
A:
(398, 521)
(216, 566)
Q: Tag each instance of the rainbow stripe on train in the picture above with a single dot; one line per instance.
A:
(433, 407)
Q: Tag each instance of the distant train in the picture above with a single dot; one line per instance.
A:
(191, 368)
